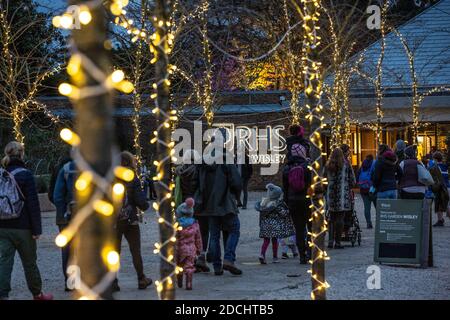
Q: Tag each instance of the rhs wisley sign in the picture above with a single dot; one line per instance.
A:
(262, 145)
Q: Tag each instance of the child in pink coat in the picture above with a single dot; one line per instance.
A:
(189, 242)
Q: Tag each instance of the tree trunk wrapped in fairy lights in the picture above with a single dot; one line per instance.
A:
(95, 260)
(94, 123)
(313, 91)
(164, 205)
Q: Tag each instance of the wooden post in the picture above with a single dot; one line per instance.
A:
(162, 149)
(94, 124)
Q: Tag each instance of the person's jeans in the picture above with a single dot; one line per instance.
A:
(245, 191)
(388, 194)
(65, 254)
(132, 234)
(367, 206)
(231, 224)
(12, 240)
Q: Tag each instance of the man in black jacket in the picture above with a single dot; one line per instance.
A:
(219, 186)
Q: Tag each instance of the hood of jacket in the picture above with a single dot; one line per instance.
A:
(16, 162)
(267, 205)
(389, 158)
(367, 164)
(185, 170)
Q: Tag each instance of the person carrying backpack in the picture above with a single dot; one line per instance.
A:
(63, 198)
(128, 221)
(20, 222)
(65, 157)
(363, 177)
(296, 182)
(410, 184)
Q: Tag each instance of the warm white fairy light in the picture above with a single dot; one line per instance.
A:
(11, 66)
(161, 49)
(104, 195)
(313, 90)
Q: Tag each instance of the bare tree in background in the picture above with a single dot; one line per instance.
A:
(23, 69)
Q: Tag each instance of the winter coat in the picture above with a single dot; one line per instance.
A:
(291, 140)
(188, 174)
(366, 167)
(339, 190)
(386, 174)
(63, 191)
(30, 217)
(274, 220)
(219, 185)
(290, 195)
(54, 177)
(136, 199)
(189, 242)
(439, 189)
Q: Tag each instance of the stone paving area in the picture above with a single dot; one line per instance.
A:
(346, 271)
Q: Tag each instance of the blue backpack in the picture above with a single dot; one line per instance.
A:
(364, 180)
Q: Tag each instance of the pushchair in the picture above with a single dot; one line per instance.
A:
(352, 230)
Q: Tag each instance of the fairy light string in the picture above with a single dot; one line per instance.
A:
(164, 205)
(379, 75)
(207, 86)
(11, 65)
(104, 193)
(417, 97)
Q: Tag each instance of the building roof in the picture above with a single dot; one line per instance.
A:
(428, 36)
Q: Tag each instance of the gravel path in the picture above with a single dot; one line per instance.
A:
(346, 271)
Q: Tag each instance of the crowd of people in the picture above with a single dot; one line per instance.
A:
(208, 199)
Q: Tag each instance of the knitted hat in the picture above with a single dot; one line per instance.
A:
(390, 155)
(411, 152)
(382, 148)
(297, 150)
(186, 209)
(400, 145)
(273, 192)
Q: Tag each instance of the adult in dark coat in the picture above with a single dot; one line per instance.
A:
(188, 173)
(386, 174)
(246, 171)
(297, 133)
(20, 234)
(128, 221)
(219, 185)
(439, 188)
(297, 201)
(64, 200)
